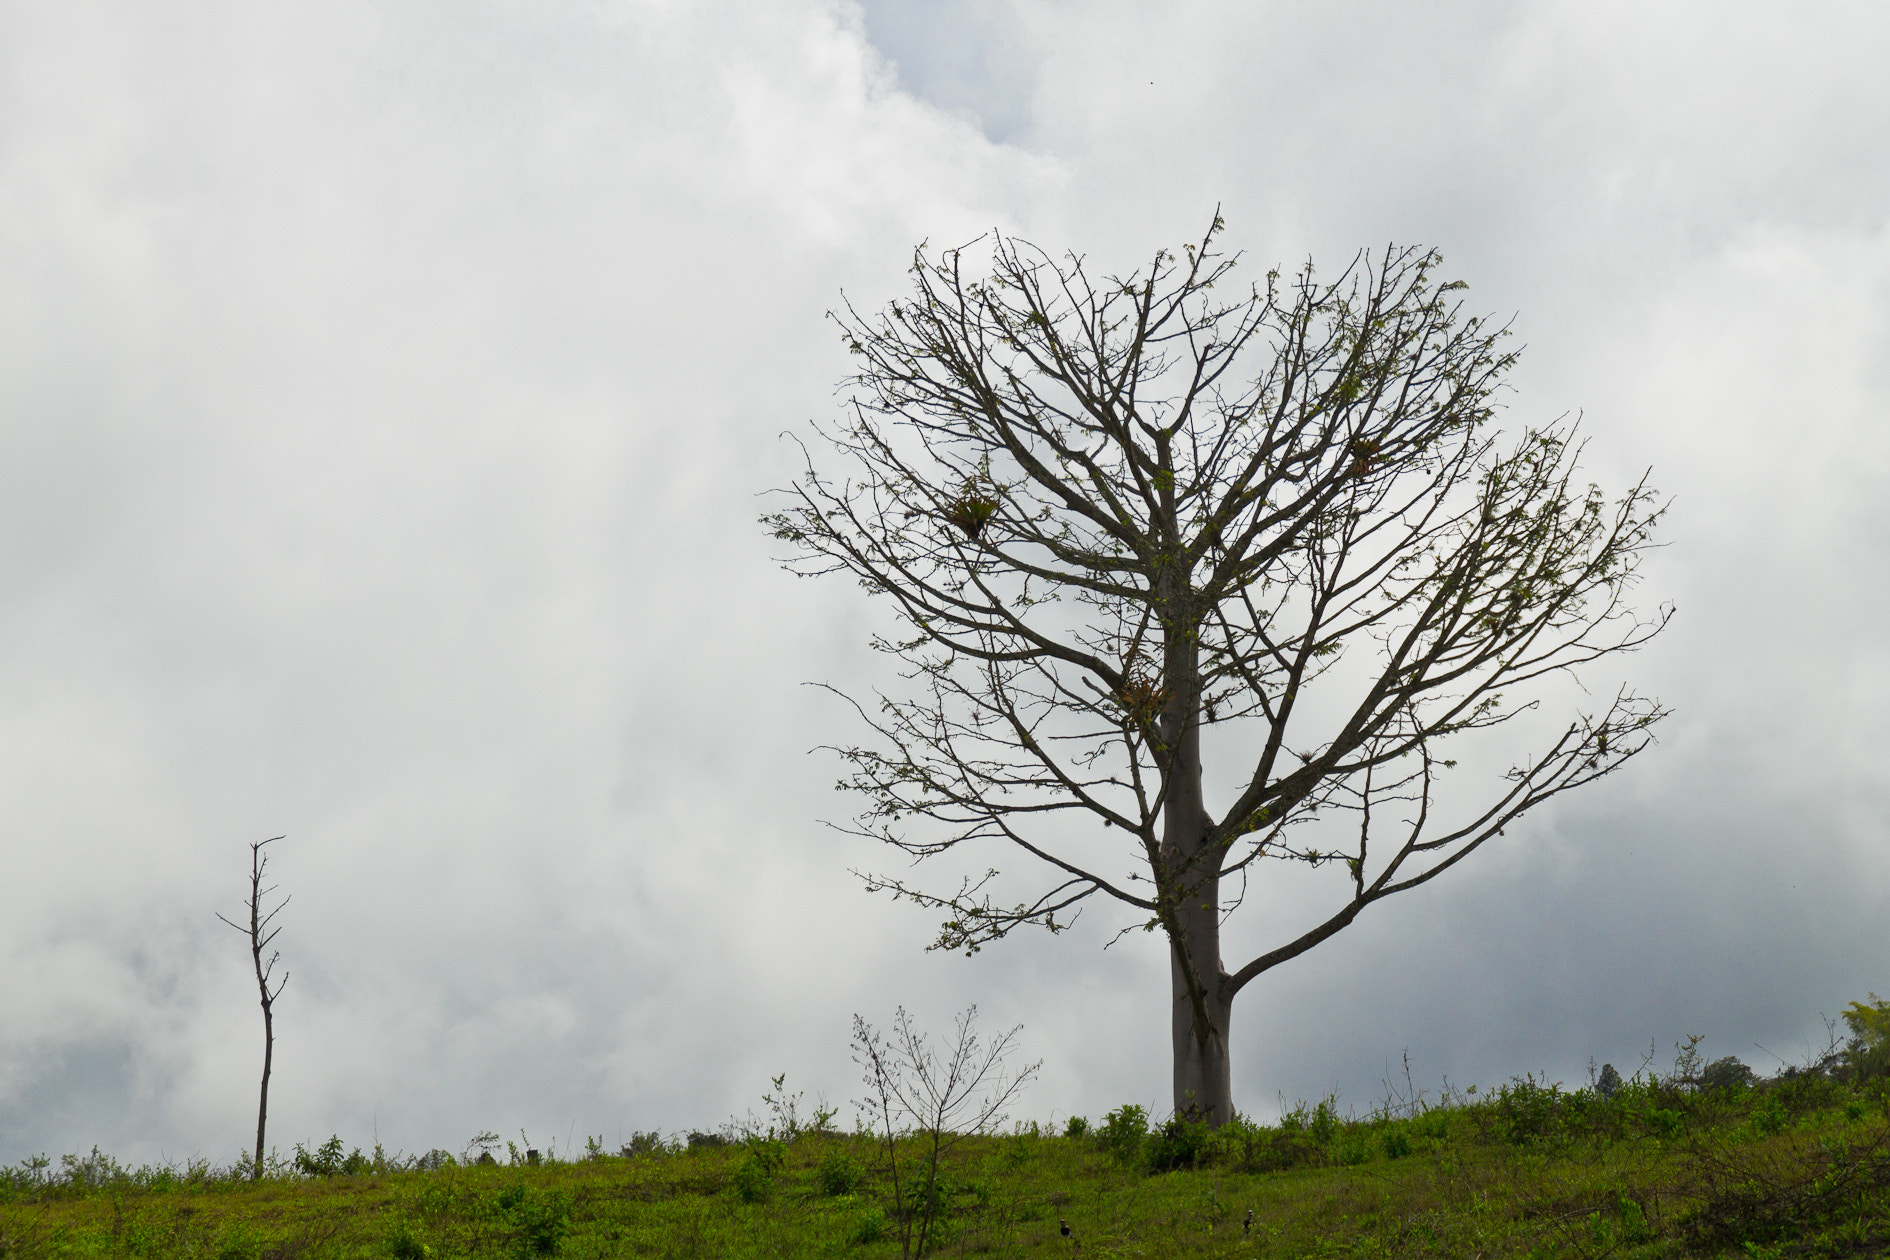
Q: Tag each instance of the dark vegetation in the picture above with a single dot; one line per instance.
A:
(1705, 1159)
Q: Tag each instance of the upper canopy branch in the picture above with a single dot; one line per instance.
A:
(1113, 513)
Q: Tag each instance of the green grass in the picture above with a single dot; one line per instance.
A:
(1799, 1167)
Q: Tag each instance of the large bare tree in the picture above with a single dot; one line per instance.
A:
(1123, 517)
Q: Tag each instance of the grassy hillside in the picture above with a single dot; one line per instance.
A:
(1702, 1166)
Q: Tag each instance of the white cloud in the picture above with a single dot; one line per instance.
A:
(383, 398)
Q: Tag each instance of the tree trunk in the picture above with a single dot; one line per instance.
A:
(1191, 885)
(1203, 1081)
(1199, 1018)
(262, 1107)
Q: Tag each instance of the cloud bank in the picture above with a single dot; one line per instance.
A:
(384, 401)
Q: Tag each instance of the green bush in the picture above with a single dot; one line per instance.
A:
(402, 1244)
(540, 1220)
(838, 1172)
(1255, 1148)
(870, 1228)
(650, 1143)
(327, 1160)
(1353, 1148)
(754, 1179)
(1530, 1112)
(1320, 1123)
(1123, 1131)
(1181, 1142)
(1397, 1143)
(1726, 1073)
(1076, 1127)
(1663, 1123)
(237, 1242)
(1868, 1053)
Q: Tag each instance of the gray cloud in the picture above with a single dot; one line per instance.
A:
(383, 402)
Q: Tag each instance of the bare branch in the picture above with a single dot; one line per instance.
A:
(1115, 514)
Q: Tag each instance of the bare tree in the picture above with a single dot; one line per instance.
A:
(909, 1088)
(261, 933)
(1123, 517)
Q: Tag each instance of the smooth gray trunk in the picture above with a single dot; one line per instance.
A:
(1203, 1080)
(1203, 1083)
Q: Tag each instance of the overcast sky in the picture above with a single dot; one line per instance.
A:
(386, 390)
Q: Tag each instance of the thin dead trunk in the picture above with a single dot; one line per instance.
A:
(269, 1054)
(260, 934)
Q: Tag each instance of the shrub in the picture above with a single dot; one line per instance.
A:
(1319, 1123)
(838, 1173)
(650, 1143)
(1726, 1073)
(1753, 1197)
(1075, 1127)
(1528, 1111)
(1663, 1123)
(1123, 1131)
(1180, 1143)
(403, 1245)
(869, 1228)
(754, 1181)
(1352, 1148)
(1397, 1143)
(1868, 1053)
(1255, 1148)
(1022, 1146)
(540, 1220)
(1799, 1091)
(237, 1242)
(754, 1176)
(327, 1160)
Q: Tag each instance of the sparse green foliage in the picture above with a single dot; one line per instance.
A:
(327, 1160)
(650, 1143)
(1120, 518)
(1868, 1053)
(1123, 1131)
(943, 1099)
(787, 1121)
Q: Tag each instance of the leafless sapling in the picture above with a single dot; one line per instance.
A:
(941, 1101)
(261, 932)
(1132, 526)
